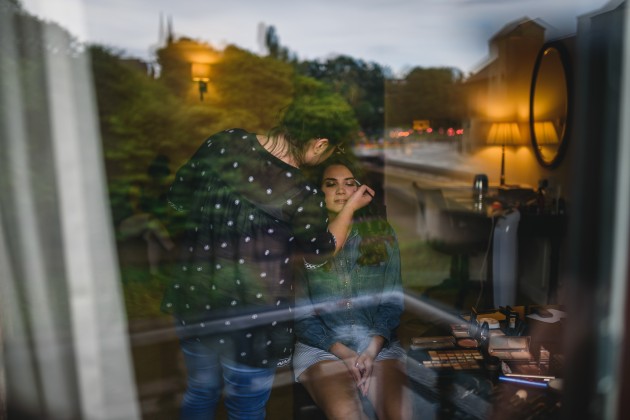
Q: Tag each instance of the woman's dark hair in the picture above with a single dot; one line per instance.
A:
(309, 117)
(376, 233)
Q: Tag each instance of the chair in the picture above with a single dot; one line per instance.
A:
(458, 233)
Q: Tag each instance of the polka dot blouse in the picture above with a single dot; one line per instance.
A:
(250, 217)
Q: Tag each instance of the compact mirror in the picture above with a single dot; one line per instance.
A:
(550, 104)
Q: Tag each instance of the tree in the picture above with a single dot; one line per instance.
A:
(141, 116)
(317, 109)
(425, 93)
(138, 115)
(251, 90)
(272, 42)
(361, 84)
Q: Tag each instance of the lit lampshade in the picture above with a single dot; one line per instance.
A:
(504, 133)
(201, 74)
(545, 133)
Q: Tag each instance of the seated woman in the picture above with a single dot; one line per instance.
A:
(346, 346)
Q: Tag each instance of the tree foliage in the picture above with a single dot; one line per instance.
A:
(360, 83)
(316, 111)
(138, 115)
(252, 90)
(142, 116)
(425, 94)
(275, 49)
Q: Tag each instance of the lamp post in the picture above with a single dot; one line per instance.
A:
(504, 133)
(200, 73)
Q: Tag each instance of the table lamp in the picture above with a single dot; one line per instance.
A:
(545, 133)
(504, 133)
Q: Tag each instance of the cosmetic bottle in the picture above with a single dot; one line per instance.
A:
(543, 360)
(512, 321)
(480, 190)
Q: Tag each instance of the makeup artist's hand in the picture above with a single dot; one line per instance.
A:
(360, 198)
(339, 226)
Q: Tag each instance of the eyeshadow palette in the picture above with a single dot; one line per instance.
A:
(432, 343)
(454, 359)
(510, 348)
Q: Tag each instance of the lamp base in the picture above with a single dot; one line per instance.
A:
(502, 178)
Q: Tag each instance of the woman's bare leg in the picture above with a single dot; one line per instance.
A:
(389, 391)
(333, 390)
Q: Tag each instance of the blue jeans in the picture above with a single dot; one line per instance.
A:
(246, 389)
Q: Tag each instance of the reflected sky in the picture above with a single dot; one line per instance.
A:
(399, 34)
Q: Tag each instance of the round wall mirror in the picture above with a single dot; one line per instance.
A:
(550, 104)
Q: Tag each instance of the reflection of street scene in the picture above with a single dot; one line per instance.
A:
(428, 157)
(500, 184)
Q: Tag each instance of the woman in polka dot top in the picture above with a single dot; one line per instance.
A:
(250, 213)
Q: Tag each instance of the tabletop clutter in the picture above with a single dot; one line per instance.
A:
(493, 340)
(497, 345)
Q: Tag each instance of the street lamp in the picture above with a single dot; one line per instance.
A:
(201, 74)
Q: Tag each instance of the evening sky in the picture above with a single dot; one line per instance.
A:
(399, 34)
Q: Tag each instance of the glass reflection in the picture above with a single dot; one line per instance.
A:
(549, 106)
(425, 126)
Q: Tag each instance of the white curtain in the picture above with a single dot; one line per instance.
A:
(65, 348)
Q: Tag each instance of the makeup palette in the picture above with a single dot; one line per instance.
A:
(430, 343)
(510, 348)
(467, 343)
(454, 359)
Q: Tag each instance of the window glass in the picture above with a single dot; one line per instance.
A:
(501, 254)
